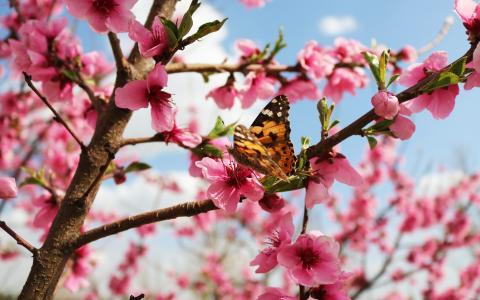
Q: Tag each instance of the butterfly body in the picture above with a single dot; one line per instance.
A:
(266, 145)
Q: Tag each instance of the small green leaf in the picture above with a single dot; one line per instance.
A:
(204, 30)
(445, 79)
(374, 65)
(380, 126)
(393, 79)
(220, 129)
(279, 45)
(372, 142)
(69, 74)
(137, 166)
(334, 123)
(172, 33)
(458, 67)
(305, 142)
(382, 69)
(34, 181)
(186, 25)
(207, 150)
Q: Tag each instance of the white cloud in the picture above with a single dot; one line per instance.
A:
(337, 25)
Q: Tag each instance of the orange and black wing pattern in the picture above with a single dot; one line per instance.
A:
(266, 145)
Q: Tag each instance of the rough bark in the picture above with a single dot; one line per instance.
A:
(49, 261)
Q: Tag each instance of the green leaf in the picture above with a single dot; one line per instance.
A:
(186, 25)
(208, 150)
(34, 181)
(374, 65)
(393, 79)
(220, 129)
(204, 30)
(172, 33)
(372, 142)
(380, 126)
(69, 74)
(334, 123)
(279, 45)
(458, 67)
(382, 69)
(446, 78)
(137, 166)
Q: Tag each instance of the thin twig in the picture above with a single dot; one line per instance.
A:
(16, 237)
(117, 51)
(142, 140)
(187, 209)
(229, 68)
(58, 118)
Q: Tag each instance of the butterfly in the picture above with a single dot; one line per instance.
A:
(266, 145)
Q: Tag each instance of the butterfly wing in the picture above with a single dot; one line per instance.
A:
(272, 129)
(249, 151)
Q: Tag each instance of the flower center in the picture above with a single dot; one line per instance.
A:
(155, 94)
(309, 257)
(237, 175)
(104, 7)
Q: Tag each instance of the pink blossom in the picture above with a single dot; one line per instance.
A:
(440, 102)
(325, 172)
(48, 208)
(469, 12)
(317, 61)
(228, 181)
(385, 105)
(402, 127)
(257, 85)
(335, 291)
(349, 50)
(407, 54)
(266, 260)
(473, 79)
(344, 80)
(80, 270)
(272, 202)
(139, 93)
(150, 42)
(181, 137)
(299, 88)
(275, 294)
(103, 15)
(312, 260)
(95, 65)
(224, 96)
(247, 48)
(8, 188)
(253, 3)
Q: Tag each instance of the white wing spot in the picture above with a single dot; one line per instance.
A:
(267, 112)
(279, 114)
(274, 101)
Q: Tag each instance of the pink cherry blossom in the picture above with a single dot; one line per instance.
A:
(253, 3)
(275, 294)
(473, 79)
(344, 80)
(247, 48)
(272, 202)
(151, 42)
(469, 12)
(8, 188)
(228, 181)
(140, 93)
(440, 102)
(325, 172)
(402, 127)
(299, 88)
(80, 270)
(181, 136)
(48, 208)
(312, 260)
(408, 54)
(335, 291)
(103, 15)
(385, 105)
(316, 60)
(224, 96)
(349, 50)
(266, 260)
(257, 85)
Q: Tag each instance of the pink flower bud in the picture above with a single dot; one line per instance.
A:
(385, 105)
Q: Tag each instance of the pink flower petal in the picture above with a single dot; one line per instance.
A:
(157, 77)
(346, 173)
(8, 188)
(132, 95)
(443, 101)
(163, 115)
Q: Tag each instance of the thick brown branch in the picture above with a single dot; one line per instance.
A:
(16, 237)
(58, 118)
(187, 209)
(116, 50)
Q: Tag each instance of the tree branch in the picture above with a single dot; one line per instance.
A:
(142, 140)
(116, 50)
(58, 118)
(228, 68)
(17, 238)
(187, 209)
